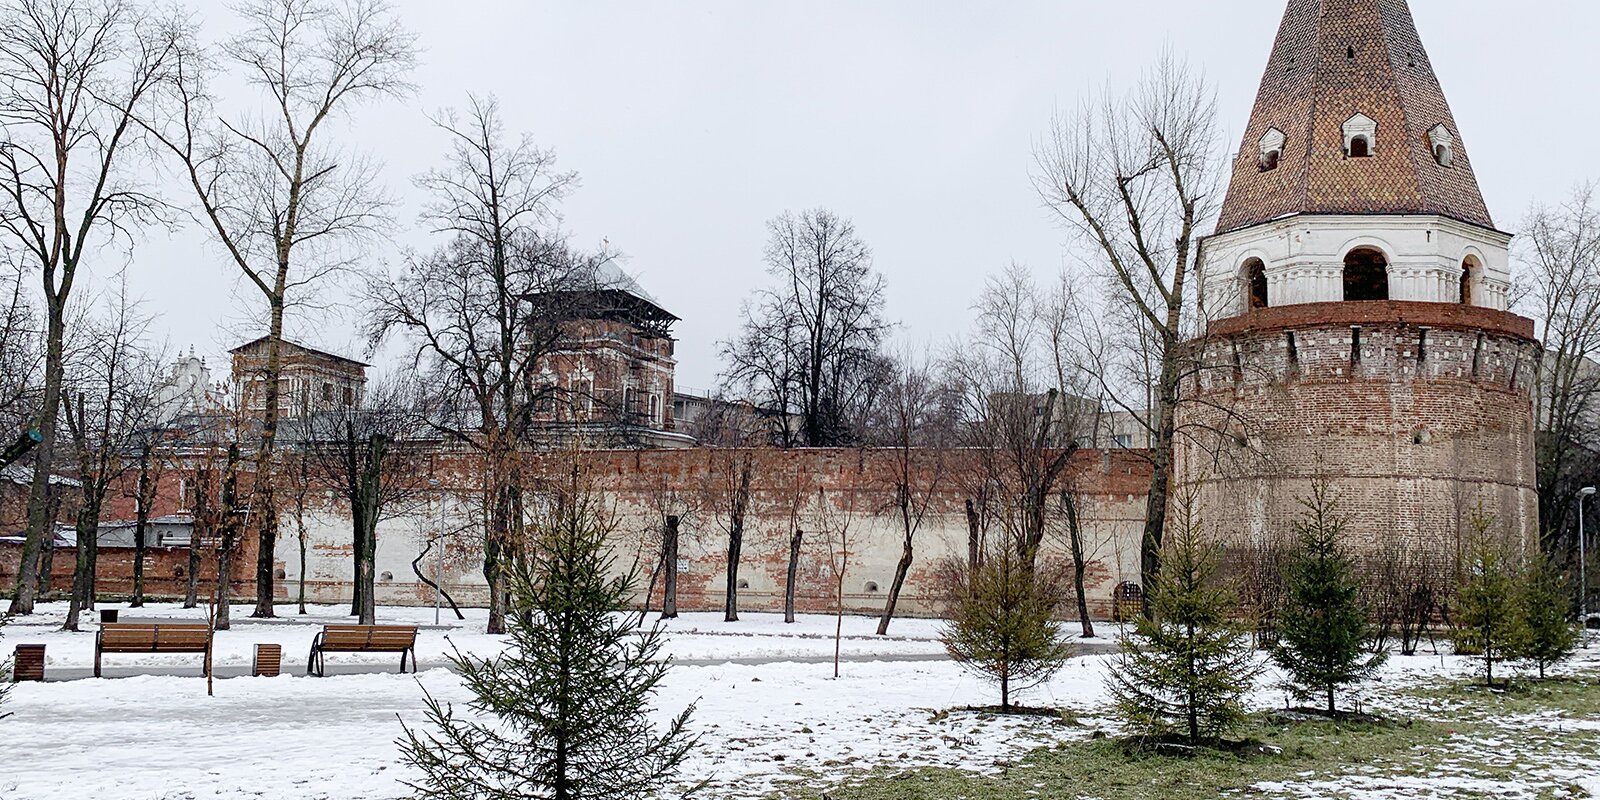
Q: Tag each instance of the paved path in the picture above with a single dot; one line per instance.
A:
(54, 674)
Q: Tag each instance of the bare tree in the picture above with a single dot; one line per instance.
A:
(833, 519)
(1561, 277)
(728, 499)
(113, 375)
(1135, 176)
(809, 344)
(1020, 429)
(910, 423)
(465, 309)
(370, 458)
(287, 204)
(71, 75)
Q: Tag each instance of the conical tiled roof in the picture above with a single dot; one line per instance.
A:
(1335, 59)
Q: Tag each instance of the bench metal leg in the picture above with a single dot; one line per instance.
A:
(97, 661)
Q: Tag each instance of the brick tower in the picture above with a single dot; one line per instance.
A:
(1354, 303)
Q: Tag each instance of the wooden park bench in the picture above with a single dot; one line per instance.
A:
(144, 637)
(400, 639)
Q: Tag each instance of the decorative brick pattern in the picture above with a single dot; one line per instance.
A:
(1335, 59)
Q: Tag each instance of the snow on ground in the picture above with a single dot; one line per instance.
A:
(695, 636)
(762, 724)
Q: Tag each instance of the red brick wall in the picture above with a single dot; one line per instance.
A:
(1434, 419)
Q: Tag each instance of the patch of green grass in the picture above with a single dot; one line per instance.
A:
(1575, 696)
(1470, 738)
(1105, 768)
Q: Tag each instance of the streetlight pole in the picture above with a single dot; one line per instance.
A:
(1583, 561)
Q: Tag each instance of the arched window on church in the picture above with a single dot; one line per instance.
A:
(1359, 147)
(1470, 269)
(1366, 275)
(1255, 284)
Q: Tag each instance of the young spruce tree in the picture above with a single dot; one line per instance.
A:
(1549, 637)
(1185, 672)
(1324, 631)
(1488, 620)
(1003, 625)
(561, 713)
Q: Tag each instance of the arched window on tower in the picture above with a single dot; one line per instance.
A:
(1470, 269)
(1255, 285)
(1360, 131)
(1366, 275)
(1271, 149)
(1443, 145)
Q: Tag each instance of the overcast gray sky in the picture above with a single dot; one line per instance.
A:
(692, 123)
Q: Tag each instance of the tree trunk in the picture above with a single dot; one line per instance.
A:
(974, 537)
(1079, 564)
(369, 502)
(494, 550)
(730, 604)
(794, 569)
(901, 570)
(669, 559)
(141, 530)
(83, 573)
(358, 528)
(199, 527)
(39, 523)
(265, 509)
(229, 530)
(300, 525)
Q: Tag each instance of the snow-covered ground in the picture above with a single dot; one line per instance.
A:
(697, 636)
(762, 724)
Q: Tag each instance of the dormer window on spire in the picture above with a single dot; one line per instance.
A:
(1271, 149)
(1360, 134)
(1443, 145)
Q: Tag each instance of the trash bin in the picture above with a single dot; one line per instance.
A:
(29, 663)
(108, 615)
(268, 661)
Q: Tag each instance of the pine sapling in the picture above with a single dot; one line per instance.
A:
(1185, 671)
(1488, 621)
(1325, 637)
(563, 712)
(1003, 625)
(1549, 637)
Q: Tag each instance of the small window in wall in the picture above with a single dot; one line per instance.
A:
(349, 397)
(327, 393)
(1360, 133)
(1255, 279)
(1271, 145)
(1366, 275)
(655, 408)
(1123, 440)
(1443, 145)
